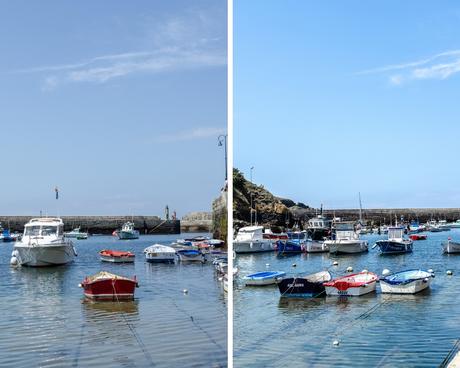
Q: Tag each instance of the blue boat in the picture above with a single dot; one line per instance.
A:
(289, 246)
(190, 255)
(396, 243)
(406, 282)
(7, 237)
(309, 286)
(263, 278)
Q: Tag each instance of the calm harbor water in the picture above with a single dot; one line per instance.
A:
(46, 322)
(376, 330)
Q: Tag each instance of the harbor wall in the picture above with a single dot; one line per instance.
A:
(195, 222)
(102, 224)
(220, 216)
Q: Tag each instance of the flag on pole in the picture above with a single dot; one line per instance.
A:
(57, 192)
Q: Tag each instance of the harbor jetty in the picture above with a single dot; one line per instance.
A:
(103, 224)
(196, 222)
(272, 211)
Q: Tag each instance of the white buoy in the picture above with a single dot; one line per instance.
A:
(386, 272)
(336, 343)
(335, 263)
(220, 278)
(294, 265)
(267, 264)
(430, 270)
(349, 269)
(449, 272)
(185, 291)
(364, 270)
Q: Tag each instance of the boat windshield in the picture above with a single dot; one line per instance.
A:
(32, 231)
(49, 230)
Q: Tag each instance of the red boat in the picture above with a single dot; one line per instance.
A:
(417, 237)
(107, 286)
(116, 256)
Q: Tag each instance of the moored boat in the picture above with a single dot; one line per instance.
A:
(190, 255)
(416, 237)
(346, 240)
(116, 256)
(352, 285)
(76, 233)
(128, 232)
(250, 240)
(304, 286)
(159, 253)
(108, 286)
(263, 278)
(406, 282)
(43, 244)
(396, 243)
(451, 246)
(315, 246)
(288, 246)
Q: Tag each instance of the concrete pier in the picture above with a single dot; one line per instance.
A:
(102, 224)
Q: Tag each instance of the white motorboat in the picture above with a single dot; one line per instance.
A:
(406, 282)
(250, 239)
(319, 229)
(43, 244)
(76, 233)
(346, 240)
(159, 253)
(315, 246)
(451, 247)
(128, 232)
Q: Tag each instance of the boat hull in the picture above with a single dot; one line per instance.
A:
(316, 247)
(347, 247)
(301, 288)
(409, 288)
(255, 246)
(160, 257)
(262, 278)
(190, 256)
(288, 247)
(352, 291)
(452, 247)
(44, 255)
(394, 247)
(123, 259)
(110, 289)
(126, 235)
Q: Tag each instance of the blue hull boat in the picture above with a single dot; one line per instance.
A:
(263, 278)
(288, 246)
(394, 247)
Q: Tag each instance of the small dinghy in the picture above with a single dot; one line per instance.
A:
(352, 285)
(304, 286)
(116, 256)
(263, 278)
(190, 255)
(451, 247)
(417, 237)
(406, 282)
(107, 286)
(158, 253)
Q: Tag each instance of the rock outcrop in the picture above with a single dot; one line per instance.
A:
(196, 222)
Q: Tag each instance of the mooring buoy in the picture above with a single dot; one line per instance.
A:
(349, 269)
(185, 291)
(294, 265)
(386, 272)
(449, 272)
(336, 343)
(335, 263)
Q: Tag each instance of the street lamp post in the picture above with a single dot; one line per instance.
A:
(222, 139)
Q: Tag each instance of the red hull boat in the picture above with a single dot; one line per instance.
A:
(417, 237)
(107, 286)
(116, 256)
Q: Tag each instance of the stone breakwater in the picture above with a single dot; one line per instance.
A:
(102, 224)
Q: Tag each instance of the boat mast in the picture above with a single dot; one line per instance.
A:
(360, 209)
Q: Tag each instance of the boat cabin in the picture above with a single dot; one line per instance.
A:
(345, 230)
(319, 222)
(249, 233)
(395, 233)
(44, 227)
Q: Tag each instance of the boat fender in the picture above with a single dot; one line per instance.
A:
(425, 280)
(14, 261)
(430, 270)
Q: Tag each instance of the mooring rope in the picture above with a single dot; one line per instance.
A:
(133, 331)
(451, 354)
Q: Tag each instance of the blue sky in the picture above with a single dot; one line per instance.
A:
(336, 98)
(118, 104)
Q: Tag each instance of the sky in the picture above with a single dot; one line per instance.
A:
(119, 105)
(336, 98)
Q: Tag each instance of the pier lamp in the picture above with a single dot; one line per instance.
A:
(222, 139)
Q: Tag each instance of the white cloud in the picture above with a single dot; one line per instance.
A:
(176, 44)
(190, 135)
(440, 66)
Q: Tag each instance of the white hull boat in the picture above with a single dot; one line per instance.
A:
(263, 278)
(313, 246)
(128, 232)
(250, 239)
(353, 285)
(406, 282)
(158, 253)
(43, 244)
(347, 246)
(451, 247)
